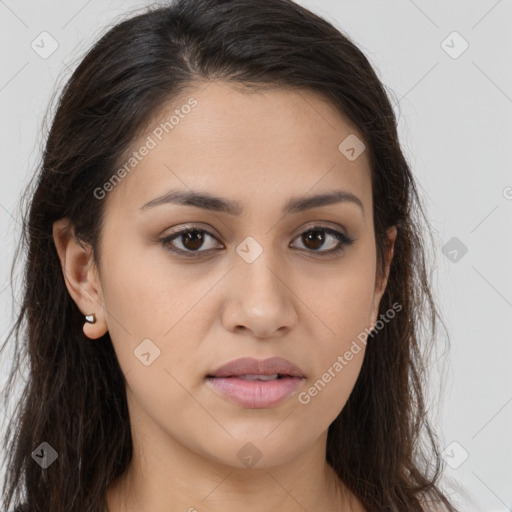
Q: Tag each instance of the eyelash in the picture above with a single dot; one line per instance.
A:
(343, 240)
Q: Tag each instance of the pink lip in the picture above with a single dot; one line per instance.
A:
(256, 394)
(249, 365)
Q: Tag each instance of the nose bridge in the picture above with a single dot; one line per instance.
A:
(259, 268)
(264, 302)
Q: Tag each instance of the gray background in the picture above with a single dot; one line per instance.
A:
(455, 112)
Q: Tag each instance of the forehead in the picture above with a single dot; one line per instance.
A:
(257, 144)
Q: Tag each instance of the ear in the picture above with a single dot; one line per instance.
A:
(381, 281)
(80, 275)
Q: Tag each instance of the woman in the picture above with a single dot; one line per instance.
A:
(225, 279)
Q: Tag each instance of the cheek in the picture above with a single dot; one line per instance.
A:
(342, 299)
(340, 354)
(340, 344)
(342, 306)
(155, 307)
(147, 292)
(327, 393)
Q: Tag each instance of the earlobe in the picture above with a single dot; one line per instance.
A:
(79, 275)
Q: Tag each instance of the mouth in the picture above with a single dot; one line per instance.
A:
(255, 384)
(252, 376)
(271, 368)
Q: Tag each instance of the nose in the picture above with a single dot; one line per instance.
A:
(259, 299)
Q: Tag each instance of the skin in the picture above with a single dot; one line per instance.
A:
(259, 148)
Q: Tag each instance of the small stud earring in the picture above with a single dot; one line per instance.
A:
(90, 318)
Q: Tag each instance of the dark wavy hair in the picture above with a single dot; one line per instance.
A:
(382, 444)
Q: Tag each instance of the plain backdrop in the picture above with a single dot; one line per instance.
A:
(447, 67)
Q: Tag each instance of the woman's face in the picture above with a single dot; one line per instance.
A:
(255, 282)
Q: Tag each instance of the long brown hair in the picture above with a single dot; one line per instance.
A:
(381, 445)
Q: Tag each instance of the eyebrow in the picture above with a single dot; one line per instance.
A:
(208, 201)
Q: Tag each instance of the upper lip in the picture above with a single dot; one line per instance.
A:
(251, 366)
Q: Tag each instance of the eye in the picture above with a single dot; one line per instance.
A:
(315, 238)
(192, 239)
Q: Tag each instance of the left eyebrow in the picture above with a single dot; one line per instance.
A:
(208, 201)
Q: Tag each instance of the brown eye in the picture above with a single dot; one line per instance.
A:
(191, 241)
(315, 238)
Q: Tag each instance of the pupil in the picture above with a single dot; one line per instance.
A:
(195, 238)
(315, 236)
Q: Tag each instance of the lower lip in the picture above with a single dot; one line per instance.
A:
(255, 394)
